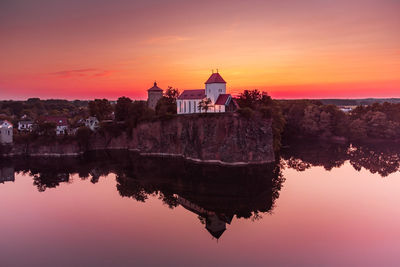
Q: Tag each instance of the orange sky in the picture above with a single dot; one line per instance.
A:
(292, 49)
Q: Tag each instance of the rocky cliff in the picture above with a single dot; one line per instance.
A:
(219, 138)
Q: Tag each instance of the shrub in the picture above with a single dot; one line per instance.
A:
(246, 112)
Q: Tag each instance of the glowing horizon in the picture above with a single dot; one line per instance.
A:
(94, 49)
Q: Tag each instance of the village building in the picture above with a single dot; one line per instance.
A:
(6, 132)
(92, 123)
(215, 90)
(60, 122)
(25, 126)
(154, 94)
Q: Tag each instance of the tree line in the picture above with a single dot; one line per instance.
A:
(290, 118)
(309, 118)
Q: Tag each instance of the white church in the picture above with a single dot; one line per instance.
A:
(215, 90)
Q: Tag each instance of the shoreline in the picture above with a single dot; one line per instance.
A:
(226, 139)
(143, 154)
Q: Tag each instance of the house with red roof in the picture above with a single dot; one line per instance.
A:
(60, 122)
(215, 91)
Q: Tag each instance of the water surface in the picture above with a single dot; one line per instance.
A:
(320, 205)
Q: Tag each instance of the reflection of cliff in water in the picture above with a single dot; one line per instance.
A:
(381, 158)
(215, 193)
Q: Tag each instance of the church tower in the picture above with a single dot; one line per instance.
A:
(154, 94)
(215, 85)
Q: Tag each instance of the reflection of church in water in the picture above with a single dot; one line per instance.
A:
(215, 223)
(215, 193)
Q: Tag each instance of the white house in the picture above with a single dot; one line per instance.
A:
(6, 132)
(60, 122)
(215, 90)
(92, 123)
(25, 126)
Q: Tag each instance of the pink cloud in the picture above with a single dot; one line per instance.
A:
(90, 72)
(170, 39)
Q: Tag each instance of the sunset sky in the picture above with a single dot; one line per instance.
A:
(85, 49)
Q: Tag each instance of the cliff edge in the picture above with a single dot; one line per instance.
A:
(218, 138)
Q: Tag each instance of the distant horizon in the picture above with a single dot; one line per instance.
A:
(144, 99)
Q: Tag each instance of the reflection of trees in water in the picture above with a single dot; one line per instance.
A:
(379, 158)
(46, 173)
(301, 155)
(46, 180)
(215, 193)
(51, 172)
(242, 191)
(382, 159)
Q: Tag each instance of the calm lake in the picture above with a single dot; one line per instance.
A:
(319, 205)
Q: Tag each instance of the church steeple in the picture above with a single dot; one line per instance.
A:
(215, 78)
(153, 95)
(155, 87)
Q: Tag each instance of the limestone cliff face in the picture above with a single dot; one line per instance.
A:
(219, 138)
(225, 138)
(53, 149)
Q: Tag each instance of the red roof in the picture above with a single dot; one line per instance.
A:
(215, 78)
(222, 99)
(192, 94)
(59, 121)
(5, 121)
(155, 88)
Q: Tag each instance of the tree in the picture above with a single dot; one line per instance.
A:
(254, 99)
(167, 104)
(100, 108)
(47, 129)
(358, 129)
(33, 100)
(171, 94)
(15, 107)
(138, 112)
(122, 108)
(204, 105)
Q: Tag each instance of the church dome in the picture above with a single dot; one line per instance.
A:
(155, 88)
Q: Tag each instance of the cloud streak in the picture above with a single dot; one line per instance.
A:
(90, 72)
(169, 39)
